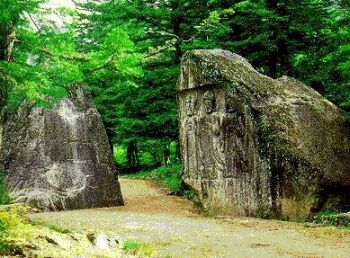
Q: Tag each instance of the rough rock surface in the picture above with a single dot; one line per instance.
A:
(252, 145)
(60, 158)
(5, 81)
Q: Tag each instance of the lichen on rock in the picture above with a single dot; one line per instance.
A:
(257, 146)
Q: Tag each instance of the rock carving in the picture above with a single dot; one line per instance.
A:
(255, 146)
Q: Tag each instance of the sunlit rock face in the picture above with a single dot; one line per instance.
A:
(60, 158)
(256, 146)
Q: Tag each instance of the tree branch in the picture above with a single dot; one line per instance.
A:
(33, 21)
(70, 58)
(103, 66)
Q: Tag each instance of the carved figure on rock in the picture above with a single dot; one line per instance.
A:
(233, 131)
(190, 160)
(211, 148)
(265, 147)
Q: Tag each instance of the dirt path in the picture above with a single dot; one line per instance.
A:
(170, 224)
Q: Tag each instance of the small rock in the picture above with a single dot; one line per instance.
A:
(55, 240)
(120, 243)
(76, 237)
(116, 241)
(51, 241)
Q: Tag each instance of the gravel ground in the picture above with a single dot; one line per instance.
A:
(173, 227)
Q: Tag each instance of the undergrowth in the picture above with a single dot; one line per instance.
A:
(333, 218)
(4, 196)
(10, 221)
(169, 176)
(137, 248)
(53, 227)
(15, 228)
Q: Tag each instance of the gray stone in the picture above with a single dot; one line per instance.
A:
(56, 240)
(252, 145)
(101, 241)
(60, 158)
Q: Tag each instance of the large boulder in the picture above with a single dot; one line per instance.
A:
(252, 145)
(60, 158)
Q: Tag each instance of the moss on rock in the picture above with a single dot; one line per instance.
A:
(293, 145)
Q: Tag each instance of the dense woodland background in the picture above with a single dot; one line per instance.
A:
(127, 53)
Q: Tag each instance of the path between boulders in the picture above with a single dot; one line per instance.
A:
(173, 227)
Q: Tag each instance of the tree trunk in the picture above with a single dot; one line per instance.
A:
(132, 155)
(7, 42)
(110, 134)
(166, 156)
(279, 63)
(176, 23)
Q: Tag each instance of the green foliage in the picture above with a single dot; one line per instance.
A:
(4, 245)
(330, 217)
(127, 53)
(45, 62)
(336, 62)
(12, 9)
(110, 74)
(169, 176)
(147, 159)
(150, 154)
(278, 37)
(305, 39)
(4, 197)
(145, 104)
(16, 231)
(56, 228)
(130, 245)
(120, 157)
(137, 248)
(10, 218)
(53, 227)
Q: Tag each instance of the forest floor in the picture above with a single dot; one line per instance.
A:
(173, 227)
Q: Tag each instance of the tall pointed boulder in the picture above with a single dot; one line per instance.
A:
(60, 158)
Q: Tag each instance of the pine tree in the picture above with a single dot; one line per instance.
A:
(162, 31)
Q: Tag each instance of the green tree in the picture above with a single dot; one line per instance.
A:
(162, 31)
(39, 59)
(10, 18)
(110, 75)
(335, 63)
(306, 39)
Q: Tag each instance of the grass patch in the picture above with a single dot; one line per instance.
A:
(326, 213)
(4, 245)
(137, 248)
(332, 218)
(56, 228)
(169, 176)
(4, 196)
(16, 230)
(50, 226)
(11, 223)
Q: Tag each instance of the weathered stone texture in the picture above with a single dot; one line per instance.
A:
(255, 146)
(60, 158)
(5, 82)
